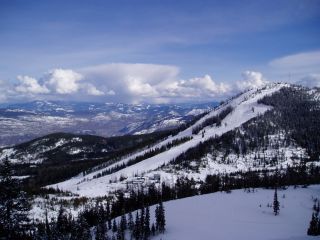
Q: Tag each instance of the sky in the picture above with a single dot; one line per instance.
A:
(154, 51)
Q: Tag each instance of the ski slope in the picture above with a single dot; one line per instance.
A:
(245, 107)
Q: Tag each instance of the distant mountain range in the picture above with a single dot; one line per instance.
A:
(26, 121)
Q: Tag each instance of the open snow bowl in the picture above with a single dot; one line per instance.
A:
(238, 215)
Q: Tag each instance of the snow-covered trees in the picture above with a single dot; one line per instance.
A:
(14, 205)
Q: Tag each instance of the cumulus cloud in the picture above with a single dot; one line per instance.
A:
(58, 82)
(199, 87)
(64, 81)
(92, 90)
(312, 80)
(138, 87)
(153, 83)
(30, 85)
(134, 83)
(251, 79)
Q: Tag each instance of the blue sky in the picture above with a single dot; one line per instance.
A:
(182, 41)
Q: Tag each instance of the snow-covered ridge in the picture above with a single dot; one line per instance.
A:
(34, 154)
(245, 107)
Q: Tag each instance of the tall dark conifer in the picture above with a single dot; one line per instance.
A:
(146, 224)
(276, 204)
(313, 227)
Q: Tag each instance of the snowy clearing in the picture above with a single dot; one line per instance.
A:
(238, 215)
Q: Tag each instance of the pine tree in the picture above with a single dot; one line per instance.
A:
(108, 215)
(313, 227)
(123, 225)
(123, 222)
(114, 226)
(136, 228)
(101, 229)
(153, 229)
(80, 229)
(160, 218)
(14, 205)
(141, 220)
(276, 204)
(62, 225)
(147, 224)
(130, 221)
(156, 214)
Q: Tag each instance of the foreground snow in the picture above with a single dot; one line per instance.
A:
(238, 215)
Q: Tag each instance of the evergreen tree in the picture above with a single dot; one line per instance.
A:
(313, 227)
(276, 204)
(108, 215)
(63, 224)
(81, 229)
(101, 229)
(160, 218)
(14, 205)
(130, 221)
(123, 225)
(153, 229)
(136, 229)
(123, 222)
(114, 226)
(141, 220)
(146, 230)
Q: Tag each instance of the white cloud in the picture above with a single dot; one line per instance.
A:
(305, 59)
(199, 87)
(312, 80)
(30, 85)
(251, 79)
(134, 83)
(64, 81)
(92, 90)
(296, 66)
(153, 83)
(138, 87)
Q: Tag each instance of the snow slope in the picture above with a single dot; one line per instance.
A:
(245, 107)
(238, 215)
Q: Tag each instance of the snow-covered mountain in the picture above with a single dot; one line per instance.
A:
(198, 150)
(26, 121)
(67, 147)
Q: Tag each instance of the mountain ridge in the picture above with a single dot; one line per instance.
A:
(245, 106)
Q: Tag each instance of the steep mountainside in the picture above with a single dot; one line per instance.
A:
(272, 127)
(60, 156)
(26, 121)
(66, 147)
